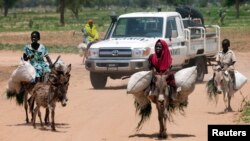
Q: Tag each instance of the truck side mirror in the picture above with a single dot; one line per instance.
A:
(113, 18)
(170, 38)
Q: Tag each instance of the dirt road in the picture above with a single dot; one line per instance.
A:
(109, 114)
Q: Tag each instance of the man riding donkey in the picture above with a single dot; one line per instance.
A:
(161, 62)
(226, 59)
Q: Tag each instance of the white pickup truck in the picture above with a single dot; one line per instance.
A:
(131, 38)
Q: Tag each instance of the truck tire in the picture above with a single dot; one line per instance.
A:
(98, 80)
(200, 63)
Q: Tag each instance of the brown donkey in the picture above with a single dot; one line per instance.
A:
(47, 94)
(27, 89)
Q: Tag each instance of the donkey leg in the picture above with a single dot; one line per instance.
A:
(34, 116)
(229, 108)
(26, 106)
(164, 128)
(40, 117)
(225, 97)
(46, 118)
(53, 120)
(162, 133)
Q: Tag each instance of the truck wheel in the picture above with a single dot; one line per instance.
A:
(201, 69)
(98, 80)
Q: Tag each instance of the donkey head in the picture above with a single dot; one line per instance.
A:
(60, 80)
(161, 88)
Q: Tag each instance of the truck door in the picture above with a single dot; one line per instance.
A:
(175, 37)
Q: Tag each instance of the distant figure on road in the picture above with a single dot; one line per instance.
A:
(90, 35)
(226, 58)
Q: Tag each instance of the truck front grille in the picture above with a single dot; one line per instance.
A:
(112, 64)
(115, 53)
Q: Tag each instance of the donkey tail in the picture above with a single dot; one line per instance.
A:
(31, 102)
(144, 113)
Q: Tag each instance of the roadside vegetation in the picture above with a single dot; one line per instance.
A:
(47, 20)
(245, 114)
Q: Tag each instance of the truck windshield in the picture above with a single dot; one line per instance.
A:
(139, 27)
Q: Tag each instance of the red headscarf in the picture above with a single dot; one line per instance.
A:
(163, 63)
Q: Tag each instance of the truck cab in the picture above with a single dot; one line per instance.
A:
(131, 39)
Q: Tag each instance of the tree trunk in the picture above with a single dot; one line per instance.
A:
(237, 7)
(6, 9)
(62, 9)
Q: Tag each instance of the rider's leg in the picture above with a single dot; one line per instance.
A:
(232, 75)
(173, 87)
(152, 95)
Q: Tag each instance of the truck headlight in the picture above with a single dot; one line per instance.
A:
(146, 51)
(93, 53)
(141, 52)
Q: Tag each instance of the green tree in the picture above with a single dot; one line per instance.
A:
(62, 4)
(1, 3)
(88, 3)
(74, 6)
(143, 3)
(236, 3)
(237, 7)
(6, 4)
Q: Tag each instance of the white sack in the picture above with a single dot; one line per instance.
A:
(186, 79)
(25, 72)
(139, 81)
(240, 80)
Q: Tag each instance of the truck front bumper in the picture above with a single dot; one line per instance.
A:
(126, 66)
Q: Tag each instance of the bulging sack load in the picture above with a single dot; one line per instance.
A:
(138, 85)
(139, 81)
(240, 80)
(25, 72)
(186, 79)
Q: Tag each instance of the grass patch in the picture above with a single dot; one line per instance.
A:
(21, 20)
(245, 114)
(52, 49)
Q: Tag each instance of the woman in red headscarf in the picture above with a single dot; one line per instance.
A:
(161, 61)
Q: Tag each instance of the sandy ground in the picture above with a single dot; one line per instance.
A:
(109, 114)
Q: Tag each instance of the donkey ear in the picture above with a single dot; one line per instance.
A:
(68, 68)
